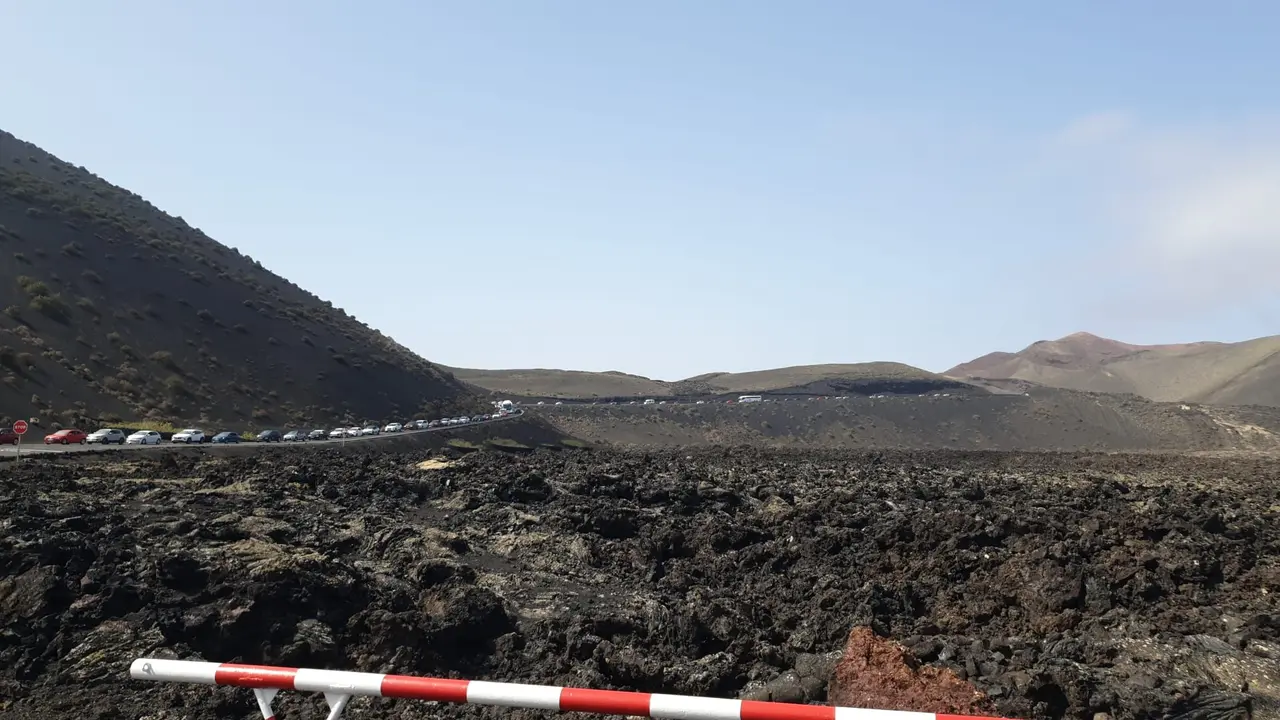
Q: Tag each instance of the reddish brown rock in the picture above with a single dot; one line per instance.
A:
(879, 673)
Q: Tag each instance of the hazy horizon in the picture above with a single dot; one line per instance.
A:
(671, 190)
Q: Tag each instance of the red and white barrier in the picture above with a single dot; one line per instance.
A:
(339, 686)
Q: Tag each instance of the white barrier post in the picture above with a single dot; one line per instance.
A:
(339, 686)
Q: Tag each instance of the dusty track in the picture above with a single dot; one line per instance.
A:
(1058, 585)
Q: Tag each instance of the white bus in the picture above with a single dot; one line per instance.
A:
(750, 398)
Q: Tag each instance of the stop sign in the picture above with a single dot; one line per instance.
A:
(20, 427)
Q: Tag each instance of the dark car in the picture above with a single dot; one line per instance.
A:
(227, 437)
(8, 437)
(317, 435)
(269, 436)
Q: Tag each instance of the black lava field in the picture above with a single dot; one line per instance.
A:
(1057, 585)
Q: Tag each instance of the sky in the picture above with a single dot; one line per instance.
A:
(670, 188)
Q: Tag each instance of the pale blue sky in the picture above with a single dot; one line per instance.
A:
(669, 188)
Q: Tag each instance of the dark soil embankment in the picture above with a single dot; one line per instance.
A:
(1057, 585)
(1043, 419)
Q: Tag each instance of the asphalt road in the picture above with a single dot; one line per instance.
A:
(33, 441)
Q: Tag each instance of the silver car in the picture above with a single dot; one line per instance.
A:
(106, 436)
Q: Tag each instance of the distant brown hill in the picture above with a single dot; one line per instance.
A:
(1243, 373)
(801, 379)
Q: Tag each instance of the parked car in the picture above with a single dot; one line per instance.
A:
(295, 436)
(190, 435)
(393, 427)
(269, 436)
(338, 433)
(143, 437)
(66, 437)
(106, 436)
(227, 437)
(8, 437)
(316, 435)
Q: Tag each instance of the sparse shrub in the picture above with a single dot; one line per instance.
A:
(129, 352)
(51, 306)
(35, 212)
(249, 304)
(164, 358)
(11, 380)
(87, 305)
(340, 359)
(175, 385)
(205, 315)
(241, 329)
(81, 340)
(272, 341)
(260, 414)
(73, 249)
(32, 287)
(14, 312)
(113, 337)
(308, 341)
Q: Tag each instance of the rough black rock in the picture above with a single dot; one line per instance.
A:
(1059, 585)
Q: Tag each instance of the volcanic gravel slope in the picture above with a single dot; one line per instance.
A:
(1061, 586)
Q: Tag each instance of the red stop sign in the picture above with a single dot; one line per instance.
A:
(20, 427)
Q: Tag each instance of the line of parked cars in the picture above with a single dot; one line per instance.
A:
(115, 436)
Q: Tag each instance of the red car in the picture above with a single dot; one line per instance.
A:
(66, 437)
(8, 437)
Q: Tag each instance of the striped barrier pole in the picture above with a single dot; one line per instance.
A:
(339, 686)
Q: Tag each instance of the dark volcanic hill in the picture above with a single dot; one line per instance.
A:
(115, 311)
(1242, 373)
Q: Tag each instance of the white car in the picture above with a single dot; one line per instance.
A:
(337, 433)
(369, 430)
(393, 427)
(353, 432)
(143, 437)
(190, 435)
(106, 436)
